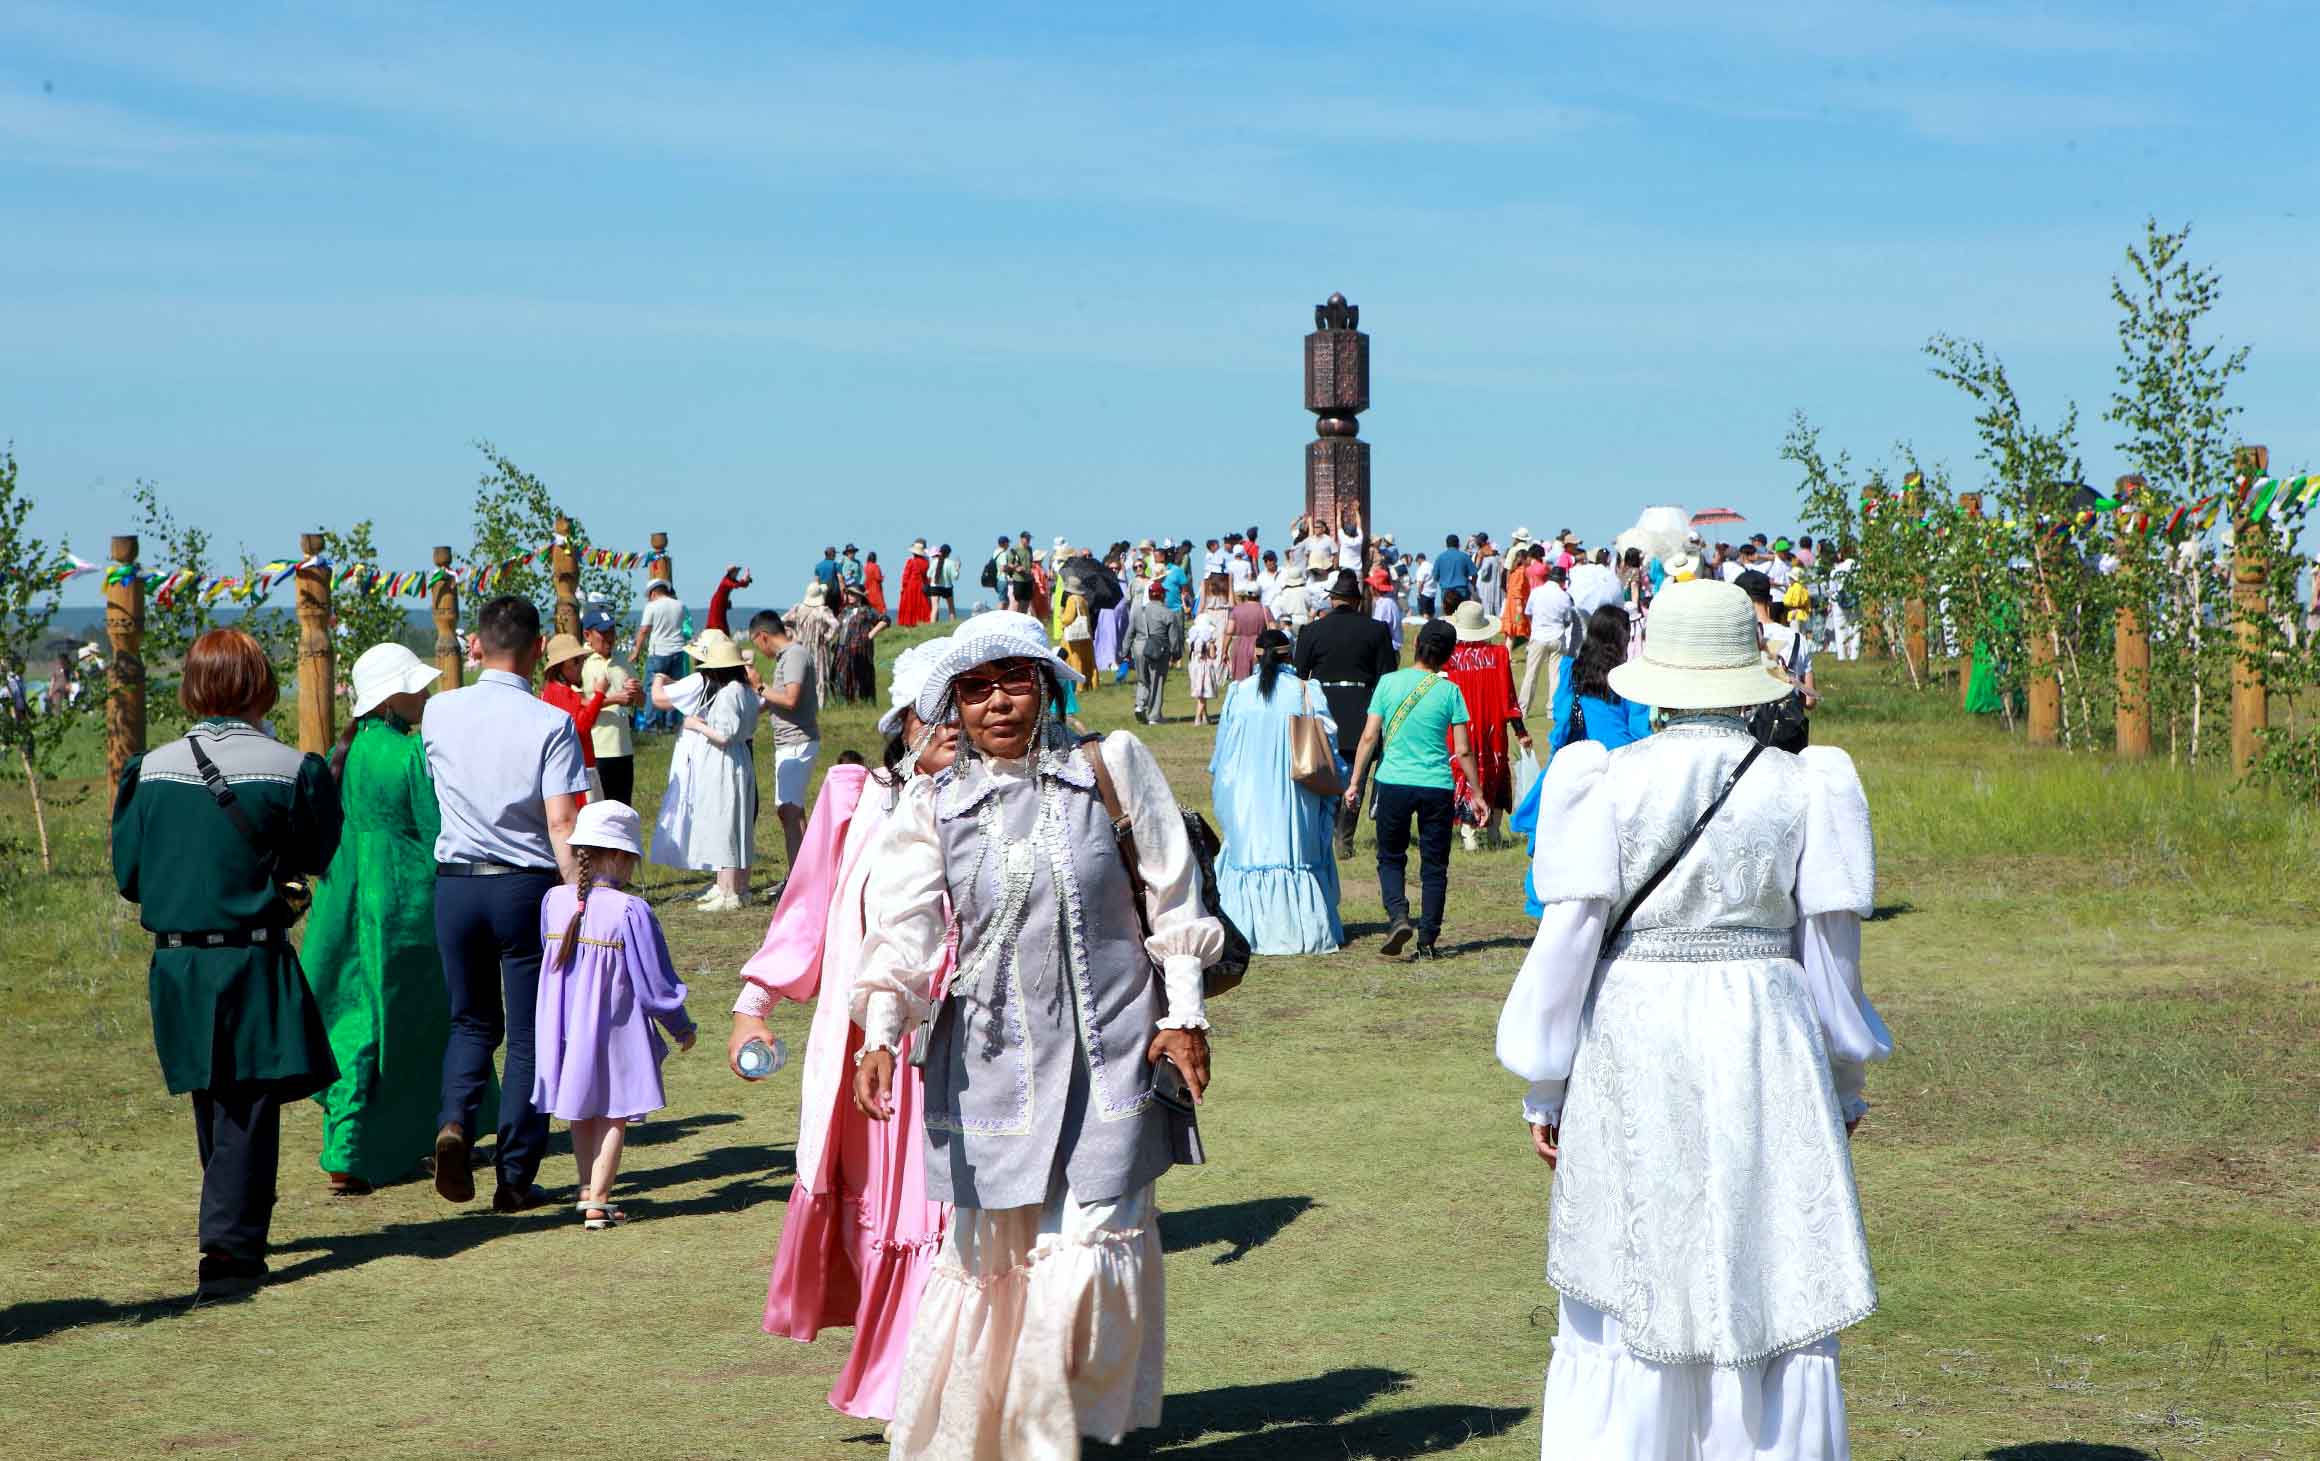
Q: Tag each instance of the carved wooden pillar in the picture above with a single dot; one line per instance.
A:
(2250, 547)
(317, 670)
(2131, 641)
(1337, 392)
(1913, 616)
(1971, 503)
(2044, 690)
(125, 627)
(564, 564)
(450, 657)
(658, 568)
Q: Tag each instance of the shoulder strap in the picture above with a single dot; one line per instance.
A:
(1409, 703)
(1123, 828)
(223, 795)
(1651, 884)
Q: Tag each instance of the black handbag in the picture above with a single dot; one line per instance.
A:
(1783, 724)
(294, 891)
(1233, 964)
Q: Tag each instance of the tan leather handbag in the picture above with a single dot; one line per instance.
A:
(1312, 759)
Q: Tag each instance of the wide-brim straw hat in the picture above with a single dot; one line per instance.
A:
(1681, 564)
(1701, 651)
(918, 545)
(909, 676)
(388, 669)
(1473, 625)
(1002, 634)
(715, 650)
(562, 647)
(1293, 575)
(612, 825)
(818, 596)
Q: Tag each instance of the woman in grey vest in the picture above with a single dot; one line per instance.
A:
(1043, 1319)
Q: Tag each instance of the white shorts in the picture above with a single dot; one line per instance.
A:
(793, 767)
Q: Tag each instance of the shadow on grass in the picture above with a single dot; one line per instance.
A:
(1242, 1227)
(1309, 1418)
(754, 1169)
(2069, 1451)
(1887, 912)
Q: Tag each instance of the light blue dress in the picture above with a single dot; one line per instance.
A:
(1613, 722)
(1278, 873)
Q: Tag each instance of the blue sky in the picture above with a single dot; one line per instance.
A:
(765, 279)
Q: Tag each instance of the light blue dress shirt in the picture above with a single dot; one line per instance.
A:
(497, 753)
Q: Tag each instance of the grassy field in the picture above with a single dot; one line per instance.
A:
(2091, 1175)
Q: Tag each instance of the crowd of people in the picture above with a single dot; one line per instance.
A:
(1012, 935)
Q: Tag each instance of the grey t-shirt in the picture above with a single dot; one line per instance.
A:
(794, 666)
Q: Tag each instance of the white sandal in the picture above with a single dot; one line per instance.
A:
(609, 1216)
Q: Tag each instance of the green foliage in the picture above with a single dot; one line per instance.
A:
(171, 628)
(364, 618)
(516, 514)
(32, 736)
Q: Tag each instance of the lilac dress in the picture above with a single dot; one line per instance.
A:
(598, 1052)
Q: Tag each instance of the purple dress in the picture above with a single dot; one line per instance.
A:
(598, 1052)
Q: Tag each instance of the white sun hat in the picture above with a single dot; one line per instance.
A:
(614, 826)
(1701, 651)
(1001, 634)
(715, 650)
(389, 669)
(908, 677)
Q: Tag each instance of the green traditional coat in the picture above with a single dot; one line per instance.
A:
(371, 959)
(224, 1016)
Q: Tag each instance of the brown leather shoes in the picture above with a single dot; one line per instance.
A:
(518, 1199)
(454, 1179)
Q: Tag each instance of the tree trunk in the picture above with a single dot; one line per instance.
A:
(39, 813)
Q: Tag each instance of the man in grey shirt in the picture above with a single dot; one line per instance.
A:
(660, 648)
(786, 689)
(509, 778)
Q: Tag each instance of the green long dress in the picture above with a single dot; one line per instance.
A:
(1982, 694)
(371, 959)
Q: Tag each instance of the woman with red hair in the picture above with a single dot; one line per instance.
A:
(213, 837)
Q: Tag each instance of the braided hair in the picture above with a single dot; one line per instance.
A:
(571, 944)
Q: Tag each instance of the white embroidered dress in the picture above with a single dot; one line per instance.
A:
(1704, 1231)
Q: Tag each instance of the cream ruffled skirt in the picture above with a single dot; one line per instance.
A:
(1604, 1401)
(1038, 1326)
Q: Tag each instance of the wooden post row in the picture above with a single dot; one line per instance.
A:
(449, 658)
(564, 563)
(317, 674)
(660, 568)
(2131, 644)
(125, 627)
(1913, 616)
(2044, 690)
(2250, 546)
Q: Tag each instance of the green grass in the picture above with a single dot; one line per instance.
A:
(2091, 1175)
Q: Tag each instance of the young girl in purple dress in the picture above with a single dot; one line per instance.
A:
(605, 981)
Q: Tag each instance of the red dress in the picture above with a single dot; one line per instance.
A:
(874, 586)
(1483, 675)
(583, 709)
(915, 607)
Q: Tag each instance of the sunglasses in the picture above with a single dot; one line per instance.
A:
(975, 689)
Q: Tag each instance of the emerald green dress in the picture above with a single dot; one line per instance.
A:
(1982, 693)
(226, 1016)
(371, 959)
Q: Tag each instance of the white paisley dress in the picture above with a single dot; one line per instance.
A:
(1704, 1232)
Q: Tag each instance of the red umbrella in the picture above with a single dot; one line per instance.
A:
(1716, 517)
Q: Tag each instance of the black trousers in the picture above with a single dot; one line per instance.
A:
(618, 774)
(1349, 817)
(238, 1130)
(488, 930)
(1434, 810)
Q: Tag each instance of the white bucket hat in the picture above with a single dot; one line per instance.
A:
(1680, 565)
(908, 677)
(715, 650)
(1701, 651)
(614, 826)
(1001, 634)
(389, 669)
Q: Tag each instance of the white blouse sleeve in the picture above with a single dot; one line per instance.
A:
(903, 948)
(1835, 889)
(1184, 939)
(1576, 875)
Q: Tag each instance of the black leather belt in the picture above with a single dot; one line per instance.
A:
(236, 938)
(488, 870)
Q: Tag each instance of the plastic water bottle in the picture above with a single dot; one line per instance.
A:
(758, 1060)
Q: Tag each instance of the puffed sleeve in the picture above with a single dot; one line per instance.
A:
(1835, 885)
(903, 947)
(1184, 939)
(788, 965)
(1576, 875)
(652, 971)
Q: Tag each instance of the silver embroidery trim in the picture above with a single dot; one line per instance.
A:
(1108, 1106)
(1660, 1356)
(1703, 945)
(997, 951)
